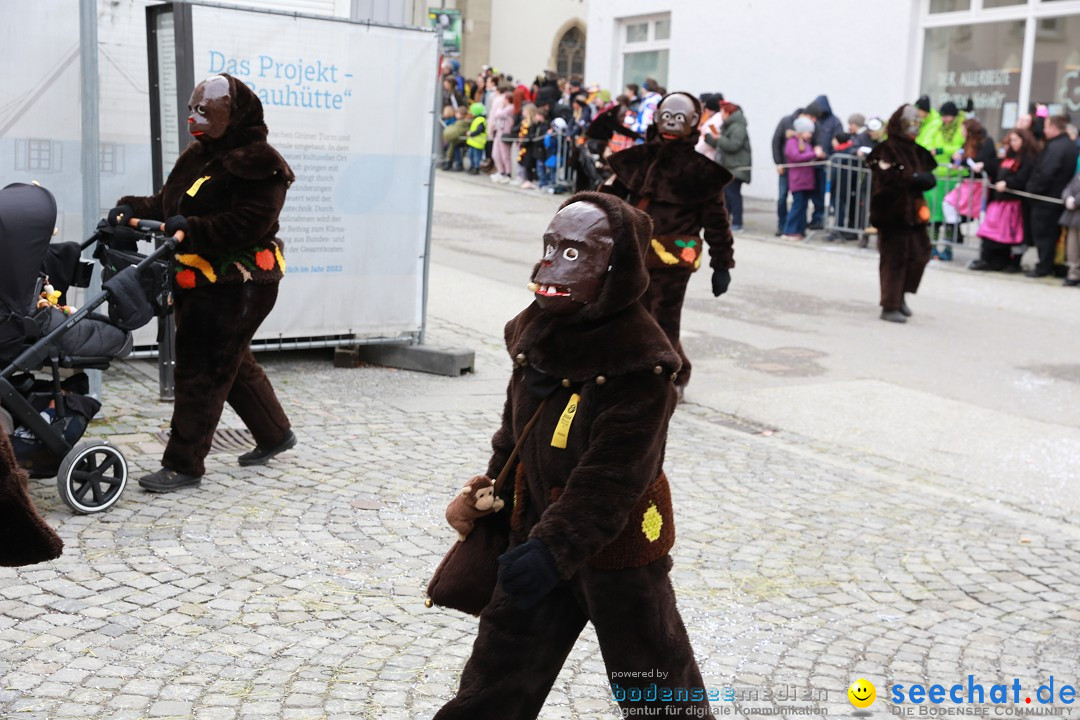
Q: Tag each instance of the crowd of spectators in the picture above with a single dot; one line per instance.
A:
(526, 134)
(1023, 189)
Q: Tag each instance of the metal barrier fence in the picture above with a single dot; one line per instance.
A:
(562, 175)
(848, 182)
(957, 204)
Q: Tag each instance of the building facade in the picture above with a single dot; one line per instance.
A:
(772, 57)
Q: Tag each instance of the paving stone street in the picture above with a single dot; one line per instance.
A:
(296, 590)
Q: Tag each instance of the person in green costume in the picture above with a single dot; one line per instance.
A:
(943, 140)
(929, 119)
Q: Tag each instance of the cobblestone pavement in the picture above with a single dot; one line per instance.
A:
(296, 590)
(802, 562)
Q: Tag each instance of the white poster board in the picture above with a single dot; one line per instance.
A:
(350, 107)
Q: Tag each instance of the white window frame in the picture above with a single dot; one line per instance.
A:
(623, 48)
(1030, 12)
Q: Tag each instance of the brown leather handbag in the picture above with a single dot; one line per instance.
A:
(466, 577)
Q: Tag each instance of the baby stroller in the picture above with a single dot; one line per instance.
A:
(48, 417)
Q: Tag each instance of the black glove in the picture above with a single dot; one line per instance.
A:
(721, 278)
(119, 215)
(923, 181)
(176, 224)
(528, 572)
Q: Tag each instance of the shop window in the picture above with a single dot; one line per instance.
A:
(979, 62)
(638, 32)
(645, 50)
(1055, 73)
(943, 6)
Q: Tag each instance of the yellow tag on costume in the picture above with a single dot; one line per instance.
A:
(562, 430)
(651, 522)
(196, 185)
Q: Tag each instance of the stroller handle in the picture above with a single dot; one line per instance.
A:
(147, 230)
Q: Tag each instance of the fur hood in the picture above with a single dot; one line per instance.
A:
(243, 148)
(670, 171)
(613, 336)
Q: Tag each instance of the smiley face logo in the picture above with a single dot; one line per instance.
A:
(862, 693)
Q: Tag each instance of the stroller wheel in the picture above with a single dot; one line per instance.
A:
(92, 477)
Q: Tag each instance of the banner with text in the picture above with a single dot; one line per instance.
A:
(350, 107)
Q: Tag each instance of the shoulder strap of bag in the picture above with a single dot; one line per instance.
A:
(499, 481)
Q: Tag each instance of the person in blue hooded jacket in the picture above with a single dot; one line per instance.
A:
(826, 128)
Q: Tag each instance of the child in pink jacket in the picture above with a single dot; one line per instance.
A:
(799, 149)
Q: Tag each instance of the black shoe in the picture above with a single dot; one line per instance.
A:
(259, 456)
(893, 316)
(1071, 283)
(1011, 269)
(1036, 274)
(904, 309)
(778, 233)
(981, 265)
(815, 226)
(166, 480)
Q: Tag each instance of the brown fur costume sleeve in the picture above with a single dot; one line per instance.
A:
(145, 207)
(625, 451)
(715, 221)
(25, 539)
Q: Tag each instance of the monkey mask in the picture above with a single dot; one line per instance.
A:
(577, 256)
(210, 109)
(677, 116)
(910, 120)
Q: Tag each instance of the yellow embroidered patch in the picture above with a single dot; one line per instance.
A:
(199, 263)
(651, 522)
(665, 257)
(196, 185)
(280, 258)
(562, 430)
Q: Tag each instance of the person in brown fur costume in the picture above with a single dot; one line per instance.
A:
(25, 539)
(683, 192)
(591, 521)
(224, 195)
(901, 172)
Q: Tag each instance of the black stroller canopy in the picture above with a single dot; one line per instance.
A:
(27, 220)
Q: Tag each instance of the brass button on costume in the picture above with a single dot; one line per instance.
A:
(600, 379)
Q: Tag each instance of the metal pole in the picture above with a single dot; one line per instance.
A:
(185, 84)
(90, 166)
(436, 146)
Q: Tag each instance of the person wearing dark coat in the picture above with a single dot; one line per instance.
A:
(224, 195)
(591, 521)
(783, 131)
(901, 172)
(25, 538)
(826, 128)
(733, 147)
(683, 193)
(1054, 168)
